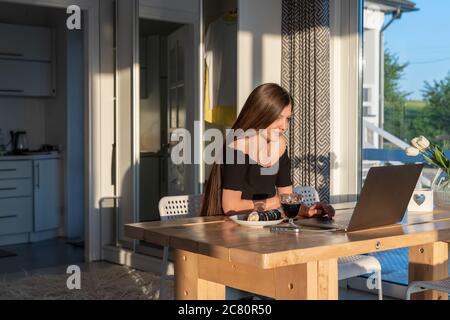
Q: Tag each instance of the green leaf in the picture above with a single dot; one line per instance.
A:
(440, 150)
(430, 161)
(440, 158)
(431, 158)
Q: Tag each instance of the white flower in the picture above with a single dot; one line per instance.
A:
(412, 152)
(420, 143)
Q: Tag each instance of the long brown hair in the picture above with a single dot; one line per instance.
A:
(262, 108)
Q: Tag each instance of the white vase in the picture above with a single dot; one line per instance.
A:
(441, 188)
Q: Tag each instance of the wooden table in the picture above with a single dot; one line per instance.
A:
(214, 252)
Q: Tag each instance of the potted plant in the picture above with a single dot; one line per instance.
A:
(436, 157)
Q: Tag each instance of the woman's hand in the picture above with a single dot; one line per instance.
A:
(267, 204)
(317, 209)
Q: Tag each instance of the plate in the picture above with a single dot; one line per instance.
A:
(242, 220)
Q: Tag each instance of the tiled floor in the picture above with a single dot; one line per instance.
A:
(394, 264)
(41, 255)
(53, 257)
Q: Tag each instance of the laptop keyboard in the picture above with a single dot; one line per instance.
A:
(325, 220)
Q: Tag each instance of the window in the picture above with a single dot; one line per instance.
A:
(406, 83)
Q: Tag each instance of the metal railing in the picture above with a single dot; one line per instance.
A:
(373, 156)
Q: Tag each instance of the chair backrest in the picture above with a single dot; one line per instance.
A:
(309, 195)
(172, 207)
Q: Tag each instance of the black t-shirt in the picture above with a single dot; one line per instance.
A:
(254, 181)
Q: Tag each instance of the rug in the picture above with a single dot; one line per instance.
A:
(106, 283)
(6, 254)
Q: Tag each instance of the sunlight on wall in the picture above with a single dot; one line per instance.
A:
(271, 58)
(259, 45)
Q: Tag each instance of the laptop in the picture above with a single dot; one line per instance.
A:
(383, 200)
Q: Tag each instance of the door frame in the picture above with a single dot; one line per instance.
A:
(128, 13)
(151, 9)
(93, 145)
(148, 10)
(346, 99)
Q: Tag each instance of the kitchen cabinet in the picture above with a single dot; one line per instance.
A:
(25, 78)
(16, 215)
(16, 201)
(25, 42)
(27, 61)
(30, 199)
(15, 188)
(15, 169)
(47, 194)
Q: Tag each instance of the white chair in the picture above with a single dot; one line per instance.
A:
(419, 286)
(348, 267)
(173, 207)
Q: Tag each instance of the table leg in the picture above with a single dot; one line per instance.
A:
(317, 280)
(428, 262)
(327, 280)
(188, 286)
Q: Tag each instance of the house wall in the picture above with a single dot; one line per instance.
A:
(373, 22)
(56, 108)
(27, 114)
(74, 135)
(259, 45)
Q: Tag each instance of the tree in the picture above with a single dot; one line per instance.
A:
(434, 120)
(394, 98)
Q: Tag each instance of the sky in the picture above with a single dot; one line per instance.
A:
(422, 38)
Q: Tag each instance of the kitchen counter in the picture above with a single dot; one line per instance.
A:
(38, 156)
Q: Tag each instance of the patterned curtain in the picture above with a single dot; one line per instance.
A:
(306, 74)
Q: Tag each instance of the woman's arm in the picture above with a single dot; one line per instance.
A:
(283, 190)
(232, 203)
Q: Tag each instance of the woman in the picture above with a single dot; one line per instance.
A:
(235, 187)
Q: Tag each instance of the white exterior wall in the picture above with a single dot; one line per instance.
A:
(373, 22)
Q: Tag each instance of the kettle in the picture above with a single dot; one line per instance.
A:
(19, 141)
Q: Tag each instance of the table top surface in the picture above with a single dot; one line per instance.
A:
(221, 238)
